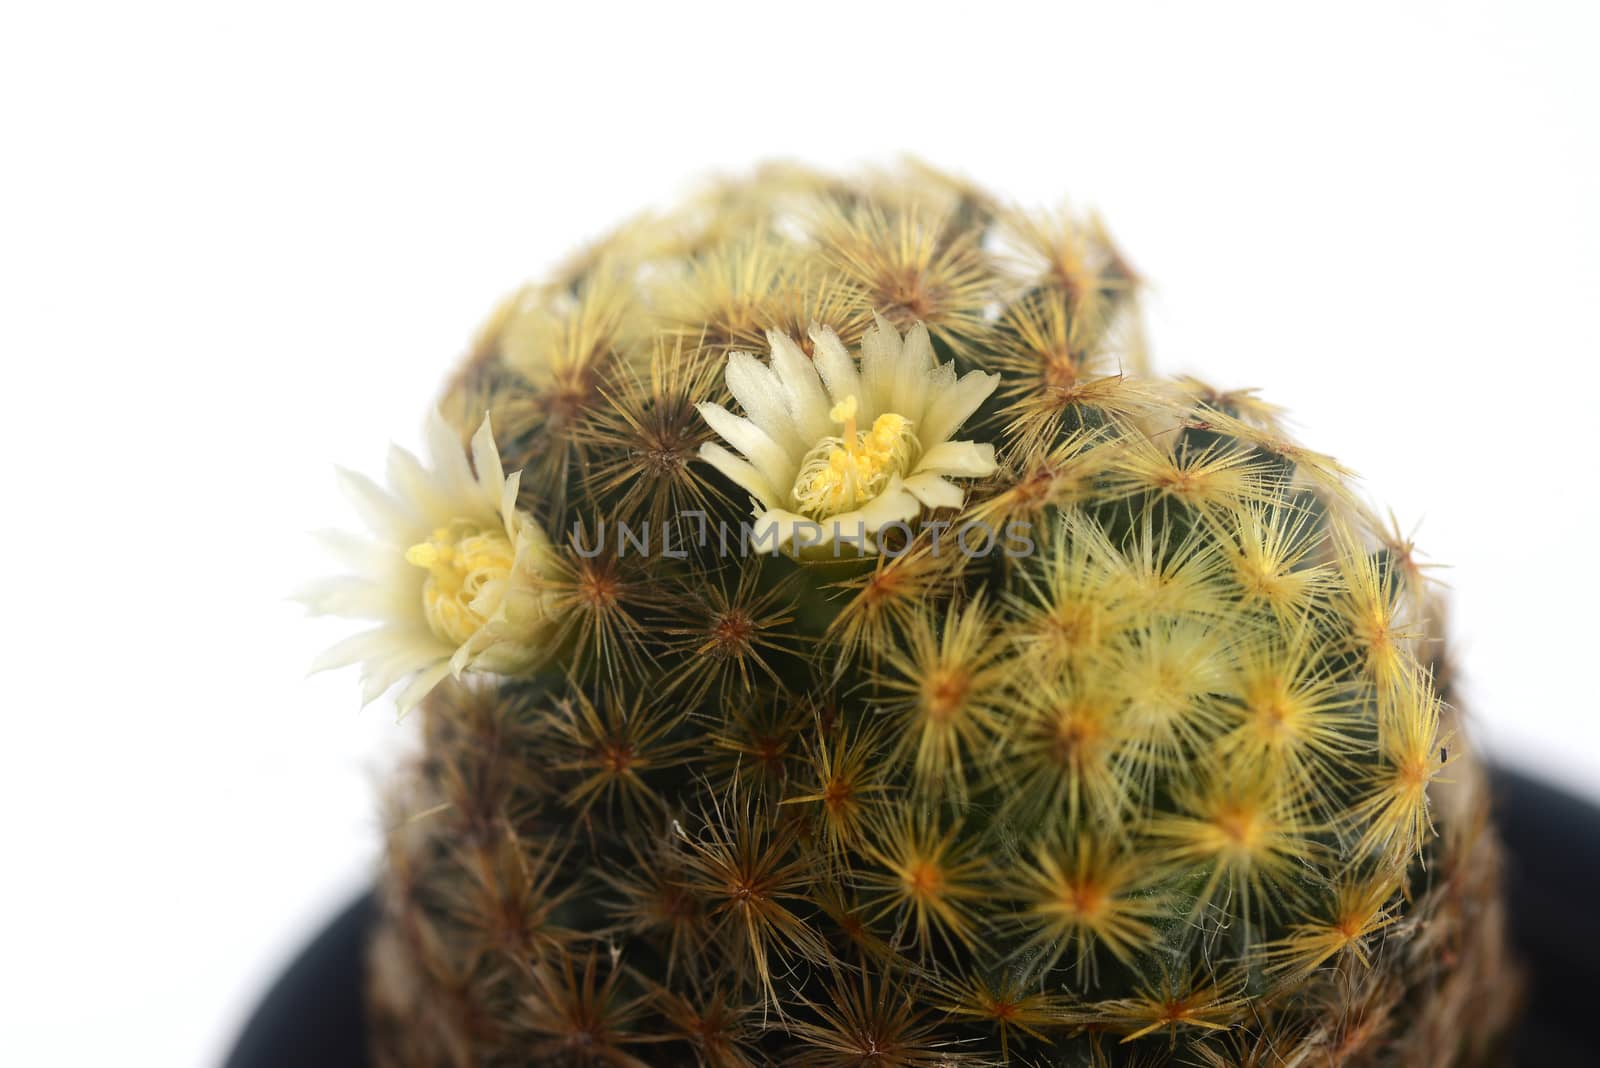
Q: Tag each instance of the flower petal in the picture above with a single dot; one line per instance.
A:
(934, 491)
(741, 473)
(894, 503)
(808, 401)
(386, 517)
(774, 463)
(880, 359)
(486, 459)
(414, 483)
(909, 395)
(404, 655)
(349, 596)
(421, 686)
(762, 396)
(838, 370)
(509, 516)
(939, 378)
(352, 551)
(963, 459)
(953, 406)
(784, 522)
(450, 467)
(356, 647)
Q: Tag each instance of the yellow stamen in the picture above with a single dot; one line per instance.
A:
(845, 472)
(463, 561)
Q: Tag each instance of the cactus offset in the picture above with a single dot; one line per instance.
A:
(1101, 724)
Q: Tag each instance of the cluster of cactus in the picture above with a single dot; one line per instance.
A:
(1138, 747)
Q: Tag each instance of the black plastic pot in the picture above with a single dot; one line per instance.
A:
(1553, 879)
(312, 1017)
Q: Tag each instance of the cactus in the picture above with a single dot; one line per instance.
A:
(868, 661)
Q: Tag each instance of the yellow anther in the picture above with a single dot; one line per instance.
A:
(845, 472)
(423, 554)
(461, 560)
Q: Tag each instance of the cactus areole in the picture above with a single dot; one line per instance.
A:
(834, 646)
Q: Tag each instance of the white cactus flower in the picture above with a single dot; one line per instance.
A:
(452, 573)
(833, 449)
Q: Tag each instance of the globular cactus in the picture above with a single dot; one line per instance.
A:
(868, 662)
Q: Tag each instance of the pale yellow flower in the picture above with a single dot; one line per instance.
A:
(452, 573)
(833, 448)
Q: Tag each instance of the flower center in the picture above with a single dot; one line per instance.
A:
(463, 560)
(844, 472)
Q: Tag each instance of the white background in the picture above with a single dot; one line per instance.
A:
(235, 249)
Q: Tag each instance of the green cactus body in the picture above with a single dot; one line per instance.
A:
(1127, 740)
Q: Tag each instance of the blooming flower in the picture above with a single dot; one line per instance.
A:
(452, 572)
(833, 449)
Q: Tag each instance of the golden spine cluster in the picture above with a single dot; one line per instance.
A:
(1169, 774)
